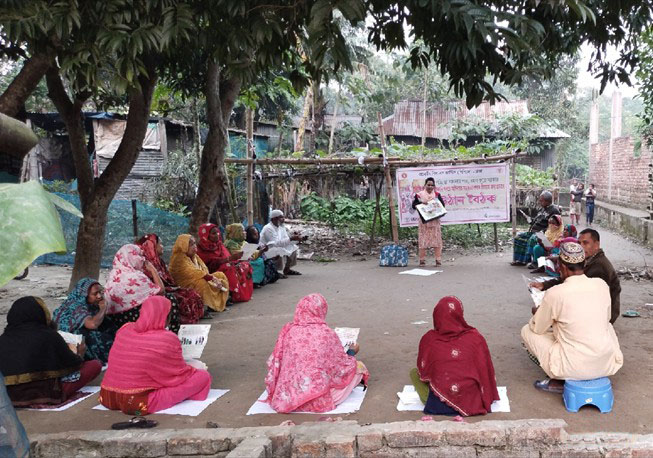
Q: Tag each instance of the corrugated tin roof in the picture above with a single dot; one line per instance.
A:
(408, 116)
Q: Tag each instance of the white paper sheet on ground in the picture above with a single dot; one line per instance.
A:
(419, 272)
(91, 390)
(188, 408)
(409, 400)
(350, 405)
(193, 338)
(347, 336)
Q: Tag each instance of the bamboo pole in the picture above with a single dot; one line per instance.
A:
(334, 121)
(513, 195)
(388, 183)
(251, 148)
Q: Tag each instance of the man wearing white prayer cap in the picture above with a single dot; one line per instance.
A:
(570, 335)
(281, 248)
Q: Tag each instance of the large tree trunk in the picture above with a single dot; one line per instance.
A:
(14, 97)
(96, 196)
(221, 93)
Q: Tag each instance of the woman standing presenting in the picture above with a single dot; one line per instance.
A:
(430, 235)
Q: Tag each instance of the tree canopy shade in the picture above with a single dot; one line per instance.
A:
(507, 39)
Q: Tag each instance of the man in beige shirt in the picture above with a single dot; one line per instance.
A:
(570, 334)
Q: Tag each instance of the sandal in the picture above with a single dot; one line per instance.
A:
(422, 263)
(545, 385)
(292, 272)
(517, 263)
(136, 422)
(438, 263)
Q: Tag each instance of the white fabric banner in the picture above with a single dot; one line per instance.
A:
(476, 193)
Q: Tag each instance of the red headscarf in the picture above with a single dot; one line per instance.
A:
(455, 361)
(308, 361)
(208, 250)
(148, 243)
(145, 355)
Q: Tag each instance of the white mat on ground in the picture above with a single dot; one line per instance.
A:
(189, 408)
(350, 405)
(91, 390)
(409, 400)
(420, 272)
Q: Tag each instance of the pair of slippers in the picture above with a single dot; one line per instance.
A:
(136, 422)
(547, 386)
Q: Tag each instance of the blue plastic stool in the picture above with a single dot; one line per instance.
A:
(597, 392)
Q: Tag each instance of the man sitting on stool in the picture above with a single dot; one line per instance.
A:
(570, 335)
(281, 248)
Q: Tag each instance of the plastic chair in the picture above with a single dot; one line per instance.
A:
(597, 392)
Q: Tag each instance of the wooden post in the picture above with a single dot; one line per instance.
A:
(388, 183)
(496, 238)
(135, 219)
(334, 121)
(377, 209)
(251, 152)
(513, 196)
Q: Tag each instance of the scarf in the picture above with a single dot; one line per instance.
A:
(184, 269)
(308, 361)
(425, 197)
(128, 286)
(208, 250)
(148, 244)
(553, 233)
(234, 237)
(455, 361)
(30, 348)
(571, 230)
(145, 356)
(70, 315)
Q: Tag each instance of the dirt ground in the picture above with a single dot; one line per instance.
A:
(385, 305)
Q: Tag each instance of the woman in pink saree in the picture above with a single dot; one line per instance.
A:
(309, 371)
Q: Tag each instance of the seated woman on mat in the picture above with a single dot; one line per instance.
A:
(84, 312)
(553, 234)
(264, 270)
(454, 374)
(147, 372)
(189, 302)
(128, 287)
(37, 364)
(218, 257)
(569, 234)
(189, 271)
(309, 371)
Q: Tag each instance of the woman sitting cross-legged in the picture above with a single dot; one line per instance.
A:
(309, 371)
(218, 257)
(189, 302)
(128, 287)
(84, 312)
(189, 271)
(37, 364)
(454, 374)
(147, 372)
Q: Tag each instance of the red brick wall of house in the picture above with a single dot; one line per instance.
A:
(630, 184)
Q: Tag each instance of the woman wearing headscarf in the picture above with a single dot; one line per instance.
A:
(37, 364)
(309, 371)
(219, 258)
(189, 271)
(147, 372)
(430, 234)
(454, 372)
(84, 312)
(128, 287)
(189, 302)
(264, 270)
(553, 234)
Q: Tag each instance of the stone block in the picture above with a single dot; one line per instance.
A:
(507, 453)
(525, 433)
(307, 448)
(369, 439)
(484, 433)
(185, 446)
(414, 434)
(340, 446)
(421, 452)
(252, 447)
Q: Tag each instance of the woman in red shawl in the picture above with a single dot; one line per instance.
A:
(191, 308)
(147, 372)
(309, 371)
(455, 364)
(217, 258)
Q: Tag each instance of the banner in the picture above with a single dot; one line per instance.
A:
(477, 193)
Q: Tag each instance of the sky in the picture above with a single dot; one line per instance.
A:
(587, 80)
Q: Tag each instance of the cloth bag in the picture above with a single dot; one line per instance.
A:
(393, 256)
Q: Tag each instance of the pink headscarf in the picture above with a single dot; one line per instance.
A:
(128, 286)
(308, 361)
(145, 355)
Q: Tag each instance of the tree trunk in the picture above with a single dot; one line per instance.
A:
(14, 97)
(301, 130)
(221, 96)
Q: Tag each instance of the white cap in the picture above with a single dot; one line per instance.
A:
(275, 214)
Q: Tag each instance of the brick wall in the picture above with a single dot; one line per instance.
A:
(630, 185)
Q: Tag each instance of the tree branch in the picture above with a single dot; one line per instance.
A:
(14, 97)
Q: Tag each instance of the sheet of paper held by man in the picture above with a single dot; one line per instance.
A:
(348, 336)
(248, 250)
(193, 338)
(536, 294)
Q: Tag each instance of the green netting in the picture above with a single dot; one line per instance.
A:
(119, 229)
